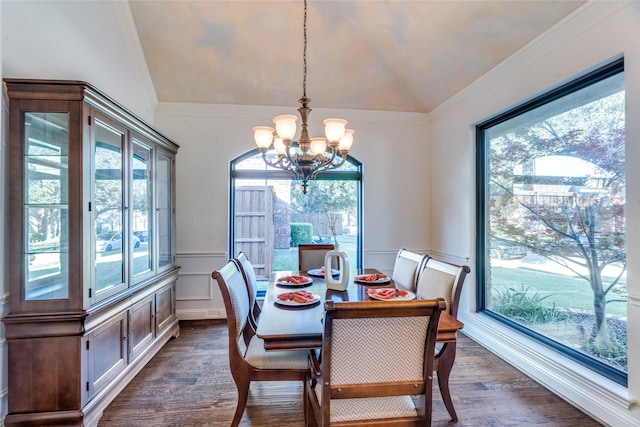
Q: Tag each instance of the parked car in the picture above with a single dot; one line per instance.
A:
(321, 239)
(142, 235)
(112, 241)
(506, 250)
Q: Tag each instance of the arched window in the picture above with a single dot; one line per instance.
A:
(270, 215)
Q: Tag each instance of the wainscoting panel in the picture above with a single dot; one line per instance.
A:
(384, 260)
(197, 294)
(454, 259)
(194, 287)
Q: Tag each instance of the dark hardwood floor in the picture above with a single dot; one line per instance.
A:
(188, 384)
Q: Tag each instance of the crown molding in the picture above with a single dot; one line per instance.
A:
(266, 113)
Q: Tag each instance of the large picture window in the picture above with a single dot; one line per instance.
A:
(270, 215)
(551, 210)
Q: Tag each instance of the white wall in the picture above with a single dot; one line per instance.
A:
(92, 41)
(593, 35)
(392, 146)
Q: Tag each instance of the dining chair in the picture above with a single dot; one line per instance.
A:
(377, 364)
(248, 359)
(439, 279)
(405, 269)
(311, 256)
(249, 275)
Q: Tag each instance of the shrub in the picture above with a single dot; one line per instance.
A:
(523, 306)
(301, 232)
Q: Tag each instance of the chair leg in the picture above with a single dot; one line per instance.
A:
(309, 415)
(445, 364)
(243, 394)
(305, 406)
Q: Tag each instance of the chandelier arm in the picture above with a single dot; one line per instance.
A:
(293, 158)
(331, 165)
(274, 163)
(326, 160)
(281, 163)
(321, 162)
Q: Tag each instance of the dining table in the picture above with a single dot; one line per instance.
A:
(299, 326)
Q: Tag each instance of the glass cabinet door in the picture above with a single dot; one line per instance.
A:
(109, 220)
(164, 210)
(46, 186)
(141, 208)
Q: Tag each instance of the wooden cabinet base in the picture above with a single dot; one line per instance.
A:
(49, 419)
(93, 410)
(64, 375)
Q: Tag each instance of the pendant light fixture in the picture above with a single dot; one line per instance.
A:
(306, 157)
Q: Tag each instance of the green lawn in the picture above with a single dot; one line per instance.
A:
(287, 259)
(564, 291)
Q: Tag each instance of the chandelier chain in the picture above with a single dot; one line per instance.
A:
(304, 53)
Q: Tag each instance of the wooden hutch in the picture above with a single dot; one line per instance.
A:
(91, 250)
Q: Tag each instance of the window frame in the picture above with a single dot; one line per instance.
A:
(482, 194)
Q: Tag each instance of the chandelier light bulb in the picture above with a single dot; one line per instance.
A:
(263, 135)
(334, 129)
(347, 140)
(279, 146)
(286, 126)
(318, 145)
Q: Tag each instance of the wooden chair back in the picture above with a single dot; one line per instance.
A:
(376, 356)
(405, 269)
(311, 256)
(440, 279)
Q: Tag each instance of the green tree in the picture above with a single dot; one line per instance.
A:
(337, 195)
(328, 197)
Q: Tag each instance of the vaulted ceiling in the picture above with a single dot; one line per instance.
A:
(391, 55)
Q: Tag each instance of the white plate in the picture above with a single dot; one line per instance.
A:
(387, 279)
(318, 272)
(285, 283)
(410, 295)
(292, 303)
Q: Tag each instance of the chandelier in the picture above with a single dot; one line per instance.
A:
(306, 157)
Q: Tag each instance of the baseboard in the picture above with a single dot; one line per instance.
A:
(600, 398)
(201, 314)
